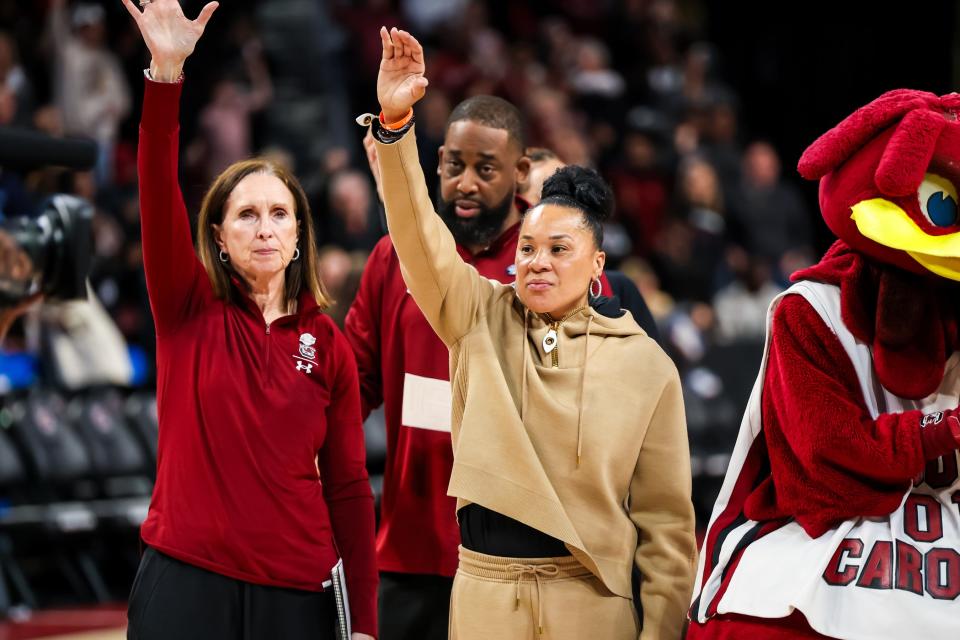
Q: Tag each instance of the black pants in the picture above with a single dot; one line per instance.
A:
(172, 599)
(413, 606)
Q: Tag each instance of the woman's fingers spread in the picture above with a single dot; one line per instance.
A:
(132, 10)
(205, 14)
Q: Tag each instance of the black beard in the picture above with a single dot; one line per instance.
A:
(479, 230)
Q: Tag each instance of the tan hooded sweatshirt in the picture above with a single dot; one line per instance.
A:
(593, 452)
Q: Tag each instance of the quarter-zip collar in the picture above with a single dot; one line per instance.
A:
(306, 304)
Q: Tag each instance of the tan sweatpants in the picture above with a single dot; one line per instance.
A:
(497, 598)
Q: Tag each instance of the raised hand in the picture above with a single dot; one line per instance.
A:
(400, 82)
(170, 36)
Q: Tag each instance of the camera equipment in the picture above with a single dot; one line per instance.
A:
(23, 149)
(50, 253)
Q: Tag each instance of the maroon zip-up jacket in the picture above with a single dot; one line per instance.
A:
(261, 455)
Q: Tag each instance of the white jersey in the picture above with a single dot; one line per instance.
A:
(896, 576)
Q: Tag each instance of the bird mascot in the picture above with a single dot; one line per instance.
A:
(839, 516)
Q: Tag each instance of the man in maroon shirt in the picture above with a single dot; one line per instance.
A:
(403, 365)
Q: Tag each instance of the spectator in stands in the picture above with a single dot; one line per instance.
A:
(720, 144)
(593, 75)
(341, 273)
(647, 282)
(741, 306)
(225, 121)
(688, 333)
(90, 89)
(261, 484)
(543, 164)
(14, 84)
(351, 220)
(639, 178)
(540, 507)
(555, 126)
(691, 248)
(770, 217)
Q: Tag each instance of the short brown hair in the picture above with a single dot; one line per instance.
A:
(301, 274)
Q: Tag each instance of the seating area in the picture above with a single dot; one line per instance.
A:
(75, 480)
(76, 473)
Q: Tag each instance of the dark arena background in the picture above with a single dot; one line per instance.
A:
(695, 111)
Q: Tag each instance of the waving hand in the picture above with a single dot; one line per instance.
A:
(401, 81)
(170, 36)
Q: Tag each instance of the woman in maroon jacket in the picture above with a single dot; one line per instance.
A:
(261, 458)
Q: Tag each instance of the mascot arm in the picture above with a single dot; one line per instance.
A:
(829, 459)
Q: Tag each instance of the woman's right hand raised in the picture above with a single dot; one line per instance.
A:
(170, 36)
(400, 82)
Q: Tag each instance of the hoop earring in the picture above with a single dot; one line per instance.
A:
(224, 257)
(296, 254)
(599, 288)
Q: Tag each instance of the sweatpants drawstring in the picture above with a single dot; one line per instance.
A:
(536, 570)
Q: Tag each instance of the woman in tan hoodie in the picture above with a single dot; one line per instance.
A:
(571, 462)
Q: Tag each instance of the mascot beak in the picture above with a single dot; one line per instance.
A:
(886, 223)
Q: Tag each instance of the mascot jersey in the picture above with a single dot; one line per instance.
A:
(840, 512)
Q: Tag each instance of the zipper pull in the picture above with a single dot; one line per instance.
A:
(268, 329)
(550, 340)
(550, 343)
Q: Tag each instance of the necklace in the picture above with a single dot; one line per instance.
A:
(552, 340)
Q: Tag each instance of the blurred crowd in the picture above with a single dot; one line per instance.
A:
(708, 223)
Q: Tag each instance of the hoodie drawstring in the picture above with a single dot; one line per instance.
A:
(523, 365)
(583, 371)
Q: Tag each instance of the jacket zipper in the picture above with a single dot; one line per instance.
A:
(266, 358)
(555, 327)
(555, 354)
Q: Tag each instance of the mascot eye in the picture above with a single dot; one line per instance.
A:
(938, 201)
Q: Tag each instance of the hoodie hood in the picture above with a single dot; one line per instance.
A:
(543, 335)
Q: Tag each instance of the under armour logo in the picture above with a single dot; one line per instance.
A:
(304, 366)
